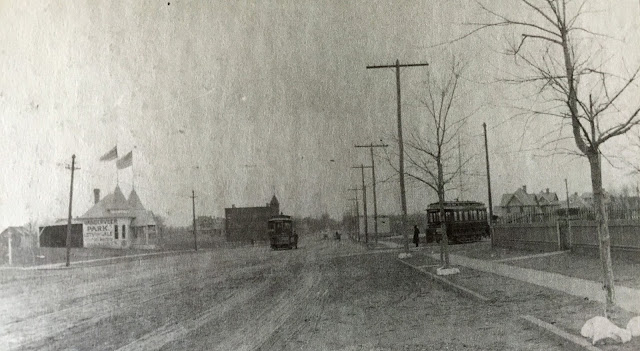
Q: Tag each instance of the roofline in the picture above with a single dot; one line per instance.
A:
(128, 216)
(280, 218)
(456, 204)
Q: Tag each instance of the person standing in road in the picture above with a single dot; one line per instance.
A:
(416, 235)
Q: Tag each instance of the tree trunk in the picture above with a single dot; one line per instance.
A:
(604, 239)
(593, 155)
(444, 240)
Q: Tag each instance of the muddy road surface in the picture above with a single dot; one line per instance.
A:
(327, 295)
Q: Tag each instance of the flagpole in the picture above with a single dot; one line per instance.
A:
(117, 170)
(133, 173)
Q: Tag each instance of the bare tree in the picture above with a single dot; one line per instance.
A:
(433, 156)
(569, 76)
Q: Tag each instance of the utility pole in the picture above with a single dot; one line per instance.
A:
(195, 236)
(364, 204)
(373, 176)
(403, 197)
(357, 212)
(352, 215)
(566, 186)
(73, 168)
(486, 153)
(460, 169)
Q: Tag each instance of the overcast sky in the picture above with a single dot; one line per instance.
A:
(240, 100)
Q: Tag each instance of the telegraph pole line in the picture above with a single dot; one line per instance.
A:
(373, 176)
(403, 197)
(566, 186)
(357, 212)
(352, 225)
(68, 243)
(195, 235)
(364, 204)
(460, 169)
(486, 153)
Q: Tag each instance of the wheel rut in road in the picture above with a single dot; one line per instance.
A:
(124, 305)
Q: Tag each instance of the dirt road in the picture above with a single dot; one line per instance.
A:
(324, 296)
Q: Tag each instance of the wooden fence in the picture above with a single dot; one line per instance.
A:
(575, 235)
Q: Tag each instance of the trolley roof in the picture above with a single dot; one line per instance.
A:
(280, 218)
(457, 205)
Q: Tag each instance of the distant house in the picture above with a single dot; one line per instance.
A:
(519, 202)
(586, 200)
(631, 202)
(20, 237)
(249, 223)
(208, 225)
(522, 202)
(577, 201)
(548, 201)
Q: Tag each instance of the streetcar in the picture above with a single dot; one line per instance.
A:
(467, 221)
(281, 233)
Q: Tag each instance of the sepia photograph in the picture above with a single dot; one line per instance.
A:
(347, 175)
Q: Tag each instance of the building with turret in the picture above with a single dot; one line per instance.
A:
(249, 223)
(115, 222)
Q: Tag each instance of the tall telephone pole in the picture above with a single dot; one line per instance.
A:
(460, 169)
(364, 204)
(195, 235)
(486, 153)
(566, 186)
(73, 168)
(373, 176)
(403, 197)
(357, 212)
(353, 226)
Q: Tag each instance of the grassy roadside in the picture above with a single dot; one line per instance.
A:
(565, 311)
(585, 266)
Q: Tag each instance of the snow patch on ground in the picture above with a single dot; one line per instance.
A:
(404, 255)
(447, 271)
(600, 328)
(634, 326)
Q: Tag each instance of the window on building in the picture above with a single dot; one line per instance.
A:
(115, 231)
(124, 232)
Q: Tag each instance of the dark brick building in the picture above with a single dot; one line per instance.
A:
(249, 223)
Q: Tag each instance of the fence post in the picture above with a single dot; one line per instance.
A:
(559, 238)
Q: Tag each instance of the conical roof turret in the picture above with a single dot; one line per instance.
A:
(119, 202)
(274, 202)
(134, 201)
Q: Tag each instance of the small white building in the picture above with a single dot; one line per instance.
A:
(115, 222)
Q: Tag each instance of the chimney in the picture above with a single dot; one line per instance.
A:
(524, 188)
(547, 190)
(96, 196)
